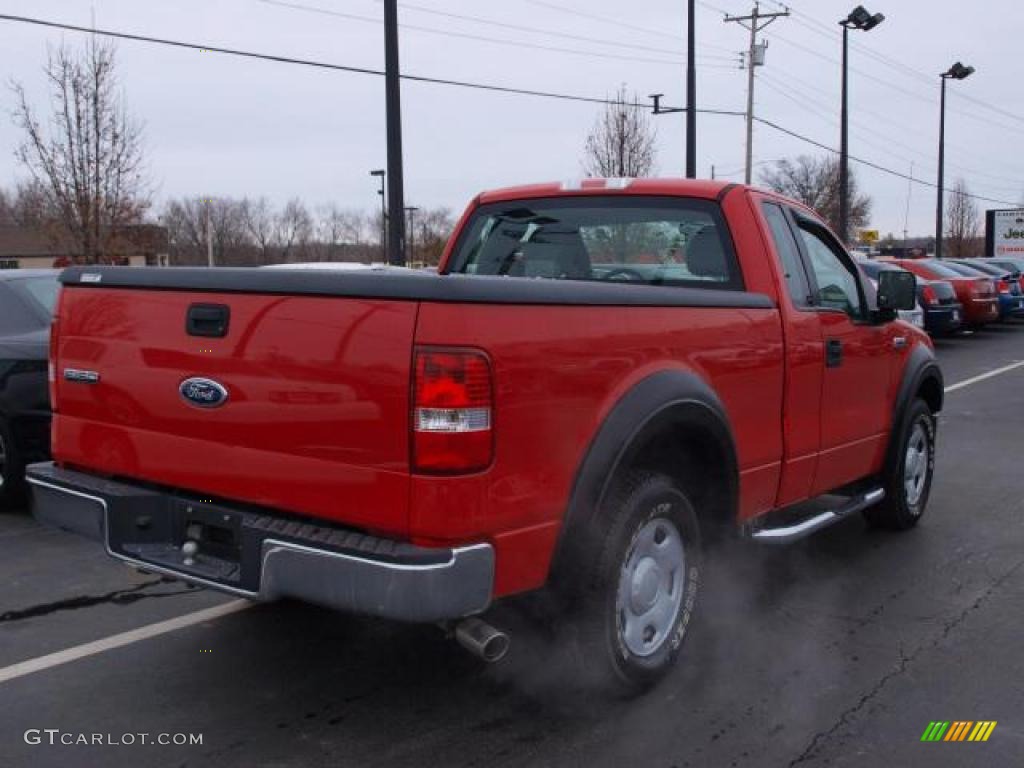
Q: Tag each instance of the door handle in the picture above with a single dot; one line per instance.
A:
(833, 353)
(899, 342)
(207, 320)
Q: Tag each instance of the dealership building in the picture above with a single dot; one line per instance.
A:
(26, 248)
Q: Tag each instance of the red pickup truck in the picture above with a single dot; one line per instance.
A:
(599, 377)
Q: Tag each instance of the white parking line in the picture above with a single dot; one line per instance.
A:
(117, 641)
(982, 377)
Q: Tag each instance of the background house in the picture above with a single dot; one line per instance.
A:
(143, 245)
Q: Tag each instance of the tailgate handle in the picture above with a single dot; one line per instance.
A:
(207, 320)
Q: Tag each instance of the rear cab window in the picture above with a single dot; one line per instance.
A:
(665, 241)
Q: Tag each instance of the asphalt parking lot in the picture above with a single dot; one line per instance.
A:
(836, 651)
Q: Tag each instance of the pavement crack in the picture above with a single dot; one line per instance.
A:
(904, 661)
(117, 597)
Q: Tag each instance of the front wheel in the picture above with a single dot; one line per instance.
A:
(908, 479)
(634, 593)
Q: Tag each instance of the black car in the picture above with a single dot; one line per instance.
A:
(27, 298)
(943, 314)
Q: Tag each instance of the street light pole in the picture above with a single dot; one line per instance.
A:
(844, 145)
(393, 98)
(957, 72)
(411, 210)
(382, 174)
(860, 19)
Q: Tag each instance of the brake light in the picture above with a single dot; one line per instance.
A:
(51, 365)
(1003, 286)
(452, 411)
(928, 295)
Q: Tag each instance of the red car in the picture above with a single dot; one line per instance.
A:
(977, 294)
(551, 409)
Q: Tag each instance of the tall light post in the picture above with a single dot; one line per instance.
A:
(859, 18)
(957, 72)
(382, 175)
(411, 211)
(393, 102)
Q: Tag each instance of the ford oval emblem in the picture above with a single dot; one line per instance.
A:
(203, 393)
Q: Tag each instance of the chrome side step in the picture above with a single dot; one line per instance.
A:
(791, 533)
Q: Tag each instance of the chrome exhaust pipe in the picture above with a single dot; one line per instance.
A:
(481, 639)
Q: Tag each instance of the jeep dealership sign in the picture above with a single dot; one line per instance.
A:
(1004, 232)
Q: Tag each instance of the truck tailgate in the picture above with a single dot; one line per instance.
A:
(317, 409)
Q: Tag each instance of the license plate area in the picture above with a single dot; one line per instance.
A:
(188, 536)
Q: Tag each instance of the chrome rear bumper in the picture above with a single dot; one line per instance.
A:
(277, 556)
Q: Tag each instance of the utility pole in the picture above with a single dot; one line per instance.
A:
(691, 94)
(393, 98)
(691, 91)
(755, 22)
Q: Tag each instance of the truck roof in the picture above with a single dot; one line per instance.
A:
(595, 186)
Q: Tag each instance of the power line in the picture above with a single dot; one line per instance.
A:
(478, 38)
(443, 81)
(825, 112)
(326, 65)
(820, 28)
(868, 163)
(618, 23)
(536, 30)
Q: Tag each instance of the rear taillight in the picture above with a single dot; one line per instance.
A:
(452, 411)
(928, 295)
(51, 367)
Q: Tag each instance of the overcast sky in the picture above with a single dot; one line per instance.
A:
(218, 125)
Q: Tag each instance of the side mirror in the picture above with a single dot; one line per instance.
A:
(897, 289)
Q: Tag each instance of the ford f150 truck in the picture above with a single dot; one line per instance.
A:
(599, 377)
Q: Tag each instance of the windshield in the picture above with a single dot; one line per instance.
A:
(650, 241)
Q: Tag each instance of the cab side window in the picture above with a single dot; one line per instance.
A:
(789, 254)
(836, 285)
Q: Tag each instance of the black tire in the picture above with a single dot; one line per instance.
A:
(12, 470)
(594, 623)
(902, 508)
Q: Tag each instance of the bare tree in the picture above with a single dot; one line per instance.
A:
(963, 223)
(433, 228)
(185, 221)
(814, 181)
(337, 230)
(622, 142)
(87, 162)
(292, 230)
(259, 222)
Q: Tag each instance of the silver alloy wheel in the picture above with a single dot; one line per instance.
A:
(651, 587)
(915, 464)
(3, 462)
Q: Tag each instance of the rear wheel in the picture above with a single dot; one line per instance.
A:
(11, 469)
(633, 590)
(908, 479)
